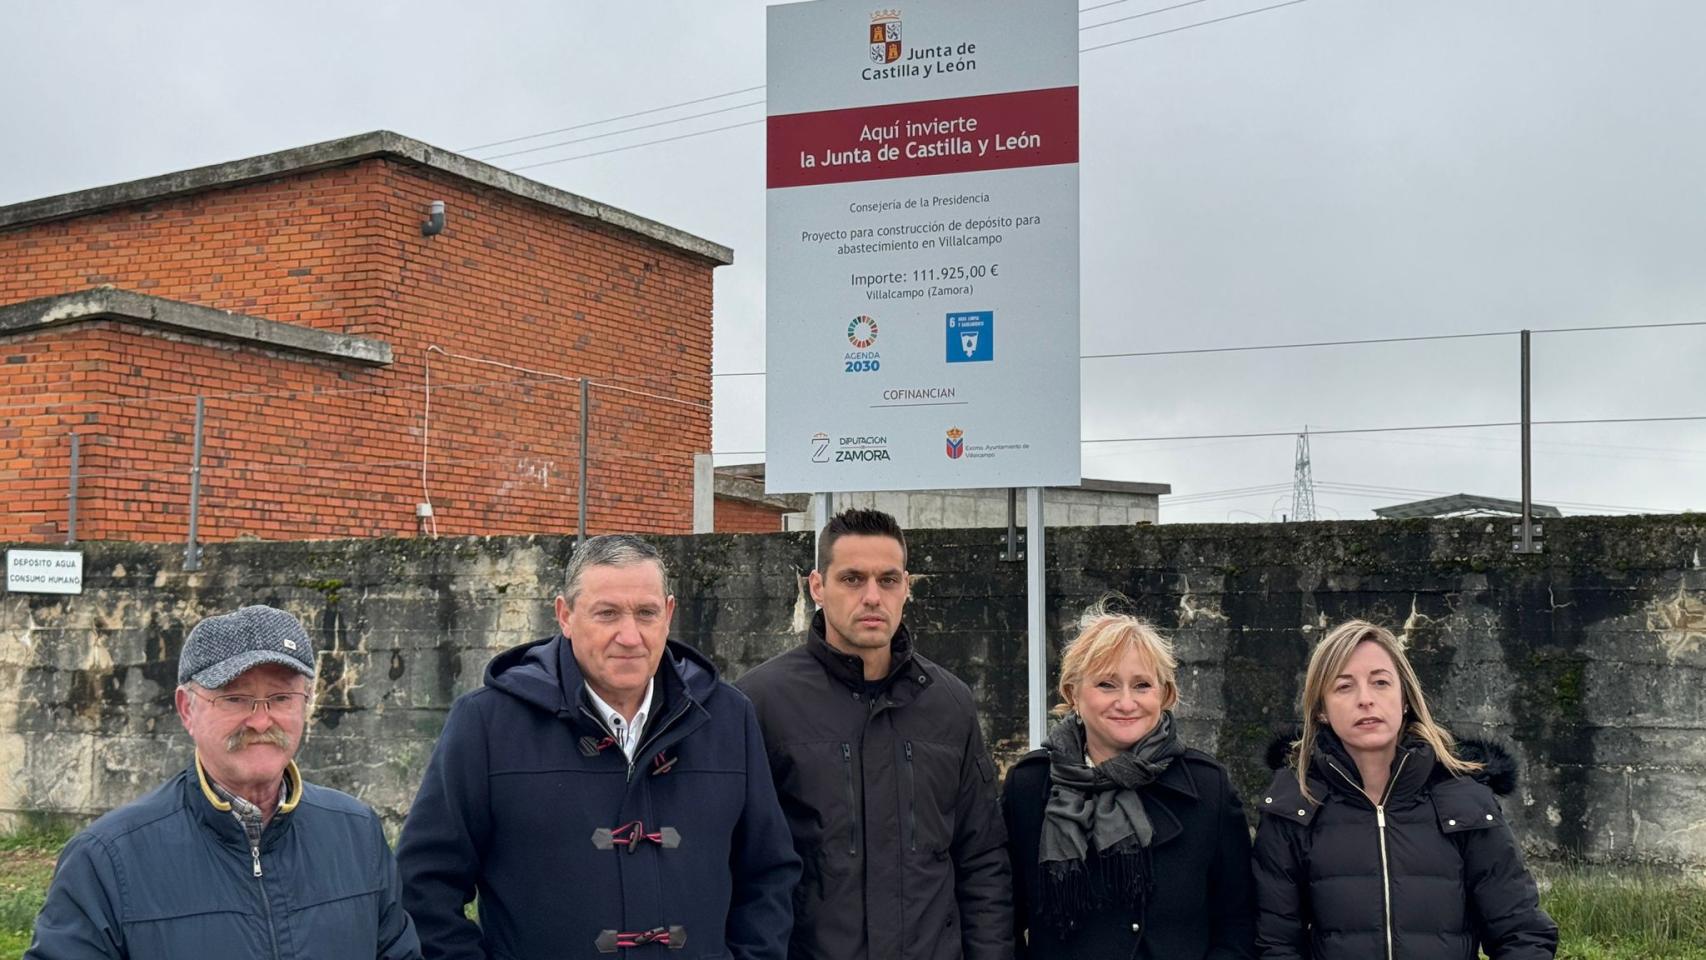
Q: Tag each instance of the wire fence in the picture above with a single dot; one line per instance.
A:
(480, 446)
(472, 449)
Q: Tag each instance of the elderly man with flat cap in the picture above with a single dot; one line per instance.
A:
(236, 856)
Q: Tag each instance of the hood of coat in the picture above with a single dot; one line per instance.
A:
(1498, 769)
(544, 675)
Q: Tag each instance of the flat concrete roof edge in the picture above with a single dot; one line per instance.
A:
(752, 491)
(1123, 486)
(104, 303)
(348, 150)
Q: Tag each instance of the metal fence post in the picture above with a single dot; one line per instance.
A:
(192, 553)
(71, 504)
(1525, 530)
(580, 525)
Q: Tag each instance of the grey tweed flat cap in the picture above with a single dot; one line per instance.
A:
(221, 647)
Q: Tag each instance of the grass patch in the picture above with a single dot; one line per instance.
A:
(1626, 915)
(26, 866)
(1604, 914)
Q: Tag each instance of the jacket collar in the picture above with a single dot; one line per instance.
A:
(1411, 768)
(1177, 778)
(849, 670)
(668, 691)
(215, 813)
(1176, 786)
(544, 675)
(1285, 799)
(684, 680)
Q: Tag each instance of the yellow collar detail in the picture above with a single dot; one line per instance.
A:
(292, 788)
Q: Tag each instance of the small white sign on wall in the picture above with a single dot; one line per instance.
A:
(44, 571)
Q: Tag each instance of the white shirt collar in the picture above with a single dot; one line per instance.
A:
(627, 734)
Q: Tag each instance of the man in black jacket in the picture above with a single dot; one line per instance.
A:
(882, 772)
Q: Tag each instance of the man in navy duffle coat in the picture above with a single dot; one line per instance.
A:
(603, 793)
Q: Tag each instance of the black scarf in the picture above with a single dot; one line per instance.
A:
(1097, 808)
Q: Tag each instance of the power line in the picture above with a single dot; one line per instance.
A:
(1619, 326)
(635, 146)
(625, 116)
(1135, 16)
(1296, 346)
(1205, 496)
(752, 89)
(1243, 348)
(617, 133)
(1192, 26)
(1560, 448)
(1436, 426)
(649, 143)
(313, 392)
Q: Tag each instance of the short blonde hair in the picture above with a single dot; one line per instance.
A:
(1103, 639)
(1328, 661)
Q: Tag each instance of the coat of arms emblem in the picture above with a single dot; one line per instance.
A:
(885, 36)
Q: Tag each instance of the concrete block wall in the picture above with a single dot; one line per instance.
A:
(1588, 662)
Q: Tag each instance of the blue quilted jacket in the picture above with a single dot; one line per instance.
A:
(171, 876)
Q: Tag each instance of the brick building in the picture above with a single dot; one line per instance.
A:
(298, 294)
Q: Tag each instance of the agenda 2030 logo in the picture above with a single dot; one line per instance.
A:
(862, 335)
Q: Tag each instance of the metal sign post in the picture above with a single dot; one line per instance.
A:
(1036, 615)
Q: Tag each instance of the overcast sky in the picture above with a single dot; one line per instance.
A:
(1333, 169)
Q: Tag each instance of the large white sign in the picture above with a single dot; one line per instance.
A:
(44, 571)
(922, 297)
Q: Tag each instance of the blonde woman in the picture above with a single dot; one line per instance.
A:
(1379, 841)
(1124, 842)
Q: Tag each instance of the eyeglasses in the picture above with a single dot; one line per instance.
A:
(237, 704)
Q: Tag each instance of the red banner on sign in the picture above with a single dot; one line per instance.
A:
(1000, 131)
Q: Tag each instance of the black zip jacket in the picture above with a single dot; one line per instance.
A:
(1431, 874)
(1200, 904)
(891, 801)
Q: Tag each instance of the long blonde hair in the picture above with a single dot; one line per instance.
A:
(1103, 637)
(1329, 660)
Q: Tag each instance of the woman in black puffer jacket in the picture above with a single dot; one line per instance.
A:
(1379, 842)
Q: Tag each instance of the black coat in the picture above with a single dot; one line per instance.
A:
(1445, 861)
(891, 801)
(1201, 903)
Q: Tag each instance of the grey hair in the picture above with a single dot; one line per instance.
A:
(610, 550)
